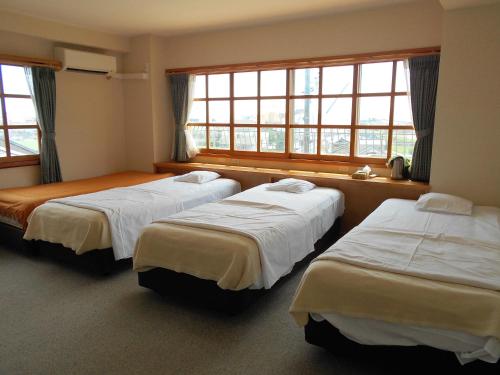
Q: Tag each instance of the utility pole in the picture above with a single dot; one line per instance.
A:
(307, 132)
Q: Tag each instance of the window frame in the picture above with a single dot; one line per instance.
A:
(9, 161)
(288, 155)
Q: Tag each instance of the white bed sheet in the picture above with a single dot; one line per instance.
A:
(284, 225)
(466, 347)
(444, 247)
(129, 209)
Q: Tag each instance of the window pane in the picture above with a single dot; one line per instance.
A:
(245, 111)
(245, 139)
(273, 83)
(376, 77)
(23, 142)
(218, 86)
(402, 111)
(200, 135)
(304, 140)
(272, 139)
(3, 151)
(245, 84)
(336, 111)
(14, 80)
(338, 80)
(20, 111)
(219, 137)
(1, 116)
(374, 110)
(306, 81)
(305, 111)
(335, 141)
(199, 87)
(272, 111)
(218, 112)
(403, 142)
(401, 79)
(372, 143)
(198, 114)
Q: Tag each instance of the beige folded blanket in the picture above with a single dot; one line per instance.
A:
(230, 259)
(334, 287)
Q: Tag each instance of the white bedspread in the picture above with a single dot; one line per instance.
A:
(129, 209)
(284, 225)
(451, 248)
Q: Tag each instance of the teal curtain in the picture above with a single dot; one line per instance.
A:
(42, 85)
(424, 73)
(181, 86)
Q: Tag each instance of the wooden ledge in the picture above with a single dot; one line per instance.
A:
(30, 61)
(276, 172)
(19, 161)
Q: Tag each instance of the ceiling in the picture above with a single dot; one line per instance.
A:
(168, 17)
(456, 4)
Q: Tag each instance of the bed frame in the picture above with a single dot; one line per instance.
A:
(96, 261)
(12, 237)
(192, 290)
(101, 262)
(396, 358)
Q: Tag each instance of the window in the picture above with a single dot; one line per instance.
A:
(358, 112)
(19, 133)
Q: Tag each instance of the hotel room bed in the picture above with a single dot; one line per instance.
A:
(16, 204)
(407, 277)
(111, 220)
(238, 245)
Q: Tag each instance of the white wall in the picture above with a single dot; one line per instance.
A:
(90, 129)
(390, 28)
(139, 107)
(466, 150)
(162, 110)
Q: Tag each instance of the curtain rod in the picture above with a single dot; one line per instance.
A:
(30, 61)
(310, 62)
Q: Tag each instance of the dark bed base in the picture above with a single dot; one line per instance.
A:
(206, 293)
(12, 237)
(186, 288)
(391, 359)
(101, 262)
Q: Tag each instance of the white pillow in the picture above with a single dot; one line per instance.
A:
(198, 177)
(291, 185)
(445, 203)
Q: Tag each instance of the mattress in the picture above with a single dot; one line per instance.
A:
(446, 283)
(230, 258)
(83, 229)
(16, 204)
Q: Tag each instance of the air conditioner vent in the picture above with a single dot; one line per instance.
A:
(87, 62)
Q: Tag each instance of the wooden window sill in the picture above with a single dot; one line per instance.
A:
(356, 162)
(282, 173)
(22, 161)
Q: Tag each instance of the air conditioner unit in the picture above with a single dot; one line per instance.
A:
(81, 61)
